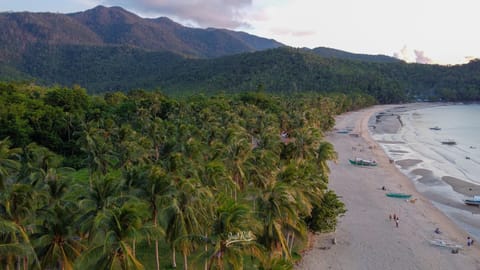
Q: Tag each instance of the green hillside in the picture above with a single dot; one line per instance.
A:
(285, 70)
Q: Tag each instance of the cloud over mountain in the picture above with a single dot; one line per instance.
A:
(205, 13)
(418, 56)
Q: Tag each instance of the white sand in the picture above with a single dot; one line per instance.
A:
(365, 237)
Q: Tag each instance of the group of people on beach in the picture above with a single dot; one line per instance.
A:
(395, 218)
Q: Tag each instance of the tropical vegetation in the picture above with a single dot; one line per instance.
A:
(140, 180)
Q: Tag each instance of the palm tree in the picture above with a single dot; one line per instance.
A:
(114, 229)
(238, 149)
(231, 219)
(9, 164)
(151, 185)
(17, 205)
(305, 140)
(186, 214)
(131, 147)
(55, 242)
(278, 210)
(15, 243)
(95, 142)
(326, 152)
(103, 195)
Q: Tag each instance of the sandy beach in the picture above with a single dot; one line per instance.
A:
(366, 238)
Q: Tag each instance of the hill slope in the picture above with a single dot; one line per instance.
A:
(108, 68)
(102, 26)
(110, 49)
(334, 53)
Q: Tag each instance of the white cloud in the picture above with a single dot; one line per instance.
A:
(421, 58)
(203, 13)
(403, 54)
(418, 56)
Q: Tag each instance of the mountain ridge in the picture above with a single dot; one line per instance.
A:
(111, 49)
(115, 26)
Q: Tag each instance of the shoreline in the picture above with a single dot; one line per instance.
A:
(444, 190)
(365, 237)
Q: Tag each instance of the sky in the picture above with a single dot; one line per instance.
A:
(424, 31)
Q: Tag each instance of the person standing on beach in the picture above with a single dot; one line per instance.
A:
(396, 222)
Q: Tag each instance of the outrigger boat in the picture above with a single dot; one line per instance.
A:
(399, 195)
(475, 201)
(362, 162)
(443, 243)
(449, 142)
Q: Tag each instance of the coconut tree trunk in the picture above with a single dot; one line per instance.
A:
(174, 258)
(292, 236)
(19, 260)
(185, 261)
(134, 242)
(155, 224)
(289, 234)
(25, 263)
(206, 249)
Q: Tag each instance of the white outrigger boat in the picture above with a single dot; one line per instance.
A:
(443, 243)
(474, 201)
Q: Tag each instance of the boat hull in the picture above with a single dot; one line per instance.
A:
(398, 195)
(472, 202)
(362, 162)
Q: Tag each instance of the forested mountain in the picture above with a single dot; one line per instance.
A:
(102, 26)
(334, 53)
(287, 70)
(110, 49)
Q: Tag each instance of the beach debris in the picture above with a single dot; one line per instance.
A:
(411, 200)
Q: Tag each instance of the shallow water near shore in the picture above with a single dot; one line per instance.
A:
(446, 174)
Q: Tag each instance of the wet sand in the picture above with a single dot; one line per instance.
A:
(365, 237)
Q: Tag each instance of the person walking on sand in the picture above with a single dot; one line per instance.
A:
(396, 222)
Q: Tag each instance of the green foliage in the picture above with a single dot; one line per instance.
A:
(207, 178)
(324, 215)
(282, 70)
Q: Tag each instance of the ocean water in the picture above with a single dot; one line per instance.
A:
(417, 141)
(460, 123)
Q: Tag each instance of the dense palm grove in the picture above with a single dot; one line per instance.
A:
(144, 181)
